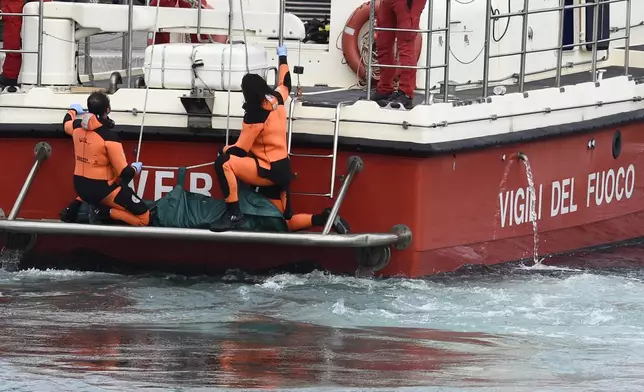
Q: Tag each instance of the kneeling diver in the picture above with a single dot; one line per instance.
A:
(260, 157)
(100, 162)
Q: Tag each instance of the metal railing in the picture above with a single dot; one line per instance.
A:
(428, 67)
(490, 18)
(40, 36)
(596, 4)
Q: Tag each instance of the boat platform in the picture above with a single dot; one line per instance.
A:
(400, 236)
(374, 249)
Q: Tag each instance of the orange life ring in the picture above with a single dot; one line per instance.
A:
(350, 47)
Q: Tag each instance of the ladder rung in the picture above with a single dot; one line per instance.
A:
(311, 155)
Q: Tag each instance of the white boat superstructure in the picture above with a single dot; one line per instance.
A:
(549, 55)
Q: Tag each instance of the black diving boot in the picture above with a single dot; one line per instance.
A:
(70, 213)
(340, 226)
(401, 99)
(99, 215)
(232, 219)
(7, 82)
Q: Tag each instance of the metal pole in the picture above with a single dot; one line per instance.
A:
(448, 26)
(230, 21)
(124, 43)
(289, 127)
(42, 152)
(230, 60)
(562, 4)
(41, 19)
(361, 240)
(595, 35)
(428, 58)
(486, 50)
(86, 60)
(130, 17)
(355, 165)
(282, 12)
(199, 5)
(336, 135)
(524, 44)
(372, 17)
(627, 40)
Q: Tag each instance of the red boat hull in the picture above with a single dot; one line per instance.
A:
(463, 208)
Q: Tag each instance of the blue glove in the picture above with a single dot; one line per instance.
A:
(78, 108)
(281, 50)
(138, 166)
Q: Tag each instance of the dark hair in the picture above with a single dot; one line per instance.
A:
(98, 103)
(255, 89)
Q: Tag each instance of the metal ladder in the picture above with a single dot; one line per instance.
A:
(334, 153)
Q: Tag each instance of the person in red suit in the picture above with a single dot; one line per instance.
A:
(401, 14)
(12, 27)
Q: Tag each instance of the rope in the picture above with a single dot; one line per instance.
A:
(147, 82)
(241, 10)
(230, 64)
(177, 168)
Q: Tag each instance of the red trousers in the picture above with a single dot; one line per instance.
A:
(164, 38)
(397, 14)
(12, 41)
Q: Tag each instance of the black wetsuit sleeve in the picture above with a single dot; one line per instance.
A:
(285, 74)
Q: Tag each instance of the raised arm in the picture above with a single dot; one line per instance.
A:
(284, 84)
(68, 122)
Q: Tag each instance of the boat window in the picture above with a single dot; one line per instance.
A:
(603, 23)
(568, 37)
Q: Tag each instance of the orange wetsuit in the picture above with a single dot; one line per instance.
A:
(100, 162)
(259, 157)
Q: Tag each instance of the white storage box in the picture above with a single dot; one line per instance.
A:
(172, 65)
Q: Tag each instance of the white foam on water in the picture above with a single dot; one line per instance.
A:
(543, 327)
(533, 210)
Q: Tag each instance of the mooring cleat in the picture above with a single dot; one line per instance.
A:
(340, 225)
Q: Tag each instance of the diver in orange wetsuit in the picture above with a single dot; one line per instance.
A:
(260, 158)
(100, 163)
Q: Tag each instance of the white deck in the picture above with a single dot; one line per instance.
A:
(436, 123)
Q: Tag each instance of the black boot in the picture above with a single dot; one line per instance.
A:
(340, 226)
(399, 99)
(70, 213)
(6, 82)
(99, 215)
(232, 219)
(380, 96)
